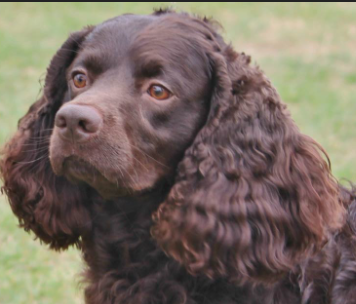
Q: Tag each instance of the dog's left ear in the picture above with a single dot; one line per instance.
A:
(253, 196)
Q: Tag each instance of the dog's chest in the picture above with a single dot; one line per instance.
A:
(124, 258)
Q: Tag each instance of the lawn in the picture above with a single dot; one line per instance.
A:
(307, 50)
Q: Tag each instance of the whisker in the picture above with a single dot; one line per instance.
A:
(144, 153)
(135, 158)
(33, 161)
(40, 137)
(35, 145)
(37, 141)
(123, 180)
(41, 149)
(121, 173)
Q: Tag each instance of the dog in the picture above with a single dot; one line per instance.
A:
(173, 165)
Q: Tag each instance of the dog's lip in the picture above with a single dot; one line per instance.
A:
(57, 163)
(69, 163)
(77, 170)
(78, 167)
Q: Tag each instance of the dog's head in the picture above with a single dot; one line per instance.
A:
(136, 94)
(140, 100)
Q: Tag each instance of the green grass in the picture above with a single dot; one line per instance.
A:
(308, 50)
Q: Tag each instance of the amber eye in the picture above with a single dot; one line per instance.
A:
(80, 80)
(159, 92)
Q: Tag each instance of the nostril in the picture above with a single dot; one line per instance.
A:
(83, 125)
(61, 122)
(89, 125)
(91, 121)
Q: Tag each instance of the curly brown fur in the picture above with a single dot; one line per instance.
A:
(210, 196)
(249, 153)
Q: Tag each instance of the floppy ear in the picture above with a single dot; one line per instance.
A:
(253, 196)
(48, 205)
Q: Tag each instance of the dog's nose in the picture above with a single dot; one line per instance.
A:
(78, 122)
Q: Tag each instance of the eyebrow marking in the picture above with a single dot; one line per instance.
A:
(150, 68)
(92, 62)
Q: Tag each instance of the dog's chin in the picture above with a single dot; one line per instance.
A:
(77, 171)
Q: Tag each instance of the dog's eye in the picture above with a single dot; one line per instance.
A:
(159, 92)
(80, 80)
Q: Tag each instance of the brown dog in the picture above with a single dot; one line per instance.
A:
(157, 115)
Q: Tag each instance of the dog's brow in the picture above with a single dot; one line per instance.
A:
(150, 68)
(93, 62)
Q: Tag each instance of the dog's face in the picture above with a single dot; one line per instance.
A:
(136, 97)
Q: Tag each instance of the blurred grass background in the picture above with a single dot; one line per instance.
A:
(308, 50)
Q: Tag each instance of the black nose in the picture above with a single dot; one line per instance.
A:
(78, 122)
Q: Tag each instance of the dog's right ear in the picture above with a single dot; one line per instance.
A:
(48, 205)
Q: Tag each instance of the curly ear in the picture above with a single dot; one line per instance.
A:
(48, 205)
(253, 196)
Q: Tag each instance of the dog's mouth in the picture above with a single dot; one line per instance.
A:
(113, 172)
(77, 170)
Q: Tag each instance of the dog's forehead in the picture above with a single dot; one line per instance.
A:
(118, 33)
(122, 26)
(145, 43)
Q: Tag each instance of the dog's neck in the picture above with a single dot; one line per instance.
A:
(147, 201)
(122, 228)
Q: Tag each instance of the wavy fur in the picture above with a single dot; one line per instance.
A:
(251, 214)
